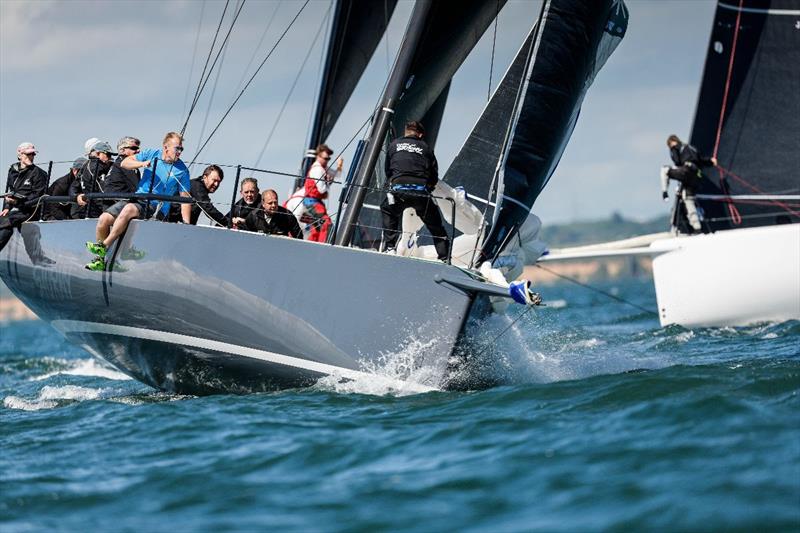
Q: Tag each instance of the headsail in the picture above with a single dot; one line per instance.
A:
(748, 115)
(573, 40)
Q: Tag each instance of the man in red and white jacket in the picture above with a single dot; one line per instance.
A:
(316, 187)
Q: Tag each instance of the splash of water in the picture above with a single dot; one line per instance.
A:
(85, 367)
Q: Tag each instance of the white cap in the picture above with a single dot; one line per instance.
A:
(26, 148)
(87, 146)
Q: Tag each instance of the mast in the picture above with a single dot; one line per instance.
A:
(394, 87)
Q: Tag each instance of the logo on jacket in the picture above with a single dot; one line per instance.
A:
(408, 147)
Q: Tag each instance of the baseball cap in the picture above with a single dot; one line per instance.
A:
(78, 163)
(26, 148)
(102, 146)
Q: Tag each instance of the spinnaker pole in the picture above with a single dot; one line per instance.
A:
(394, 89)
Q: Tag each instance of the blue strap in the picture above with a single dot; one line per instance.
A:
(408, 187)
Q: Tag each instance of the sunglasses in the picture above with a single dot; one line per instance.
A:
(134, 148)
(179, 148)
(326, 158)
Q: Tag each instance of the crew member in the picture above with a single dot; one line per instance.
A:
(26, 183)
(170, 176)
(200, 190)
(249, 202)
(688, 171)
(317, 185)
(273, 219)
(412, 173)
(61, 187)
(91, 179)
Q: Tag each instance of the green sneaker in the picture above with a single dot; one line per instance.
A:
(96, 248)
(132, 254)
(97, 265)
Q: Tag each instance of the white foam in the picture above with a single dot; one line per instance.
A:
(48, 397)
(684, 336)
(15, 402)
(556, 304)
(85, 367)
(395, 374)
(69, 392)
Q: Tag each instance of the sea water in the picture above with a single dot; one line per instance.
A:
(603, 420)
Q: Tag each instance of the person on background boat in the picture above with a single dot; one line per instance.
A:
(163, 173)
(316, 187)
(688, 171)
(87, 146)
(412, 173)
(273, 219)
(26, 183)
(119, 179)
(250, 201)
(91, 179)
(60, 187)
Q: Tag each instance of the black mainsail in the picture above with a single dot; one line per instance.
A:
(748, 115)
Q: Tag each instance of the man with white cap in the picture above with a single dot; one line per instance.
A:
(26, 183)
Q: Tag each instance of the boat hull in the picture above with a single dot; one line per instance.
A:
(212, 310)
(729, 278)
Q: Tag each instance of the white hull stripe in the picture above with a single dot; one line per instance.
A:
(761, 11)
(77, 326)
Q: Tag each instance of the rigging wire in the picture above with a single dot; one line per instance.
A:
(213, 93)
(595, 289)
(194, 55)
(230, 108)
(494, 47)
(213, 64)
(291, 90)
(205, 67)
(258, 46)
(735, 216)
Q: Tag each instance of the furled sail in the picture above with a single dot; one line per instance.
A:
(573, 40)
(748, 115)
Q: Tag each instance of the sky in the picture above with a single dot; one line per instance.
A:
(74, 70)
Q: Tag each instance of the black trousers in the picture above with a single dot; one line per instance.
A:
(426, 209)
(30, 237)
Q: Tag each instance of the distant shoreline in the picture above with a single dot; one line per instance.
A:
(13, 310)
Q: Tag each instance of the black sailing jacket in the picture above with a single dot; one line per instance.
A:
(411, 161)
(29, 182)
(283, 222)
(120, 179)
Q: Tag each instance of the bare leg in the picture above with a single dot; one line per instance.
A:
(129, 212)
(104, 224)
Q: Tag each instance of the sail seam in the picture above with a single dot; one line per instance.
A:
(791, 12)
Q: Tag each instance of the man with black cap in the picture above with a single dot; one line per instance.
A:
(60, 187)
(412, 173)
(26, 183)
(91, 180)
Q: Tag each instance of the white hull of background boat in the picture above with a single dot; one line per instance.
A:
(729, 278)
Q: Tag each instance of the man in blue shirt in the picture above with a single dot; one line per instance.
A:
(163, 173)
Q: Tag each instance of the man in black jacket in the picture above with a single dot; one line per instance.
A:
(92, 180)
(273, 219)
(26, 183)
(60, 187)
(200, 190)
(120, 179)
(412, 173)
(249, 202)
(688, 171)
